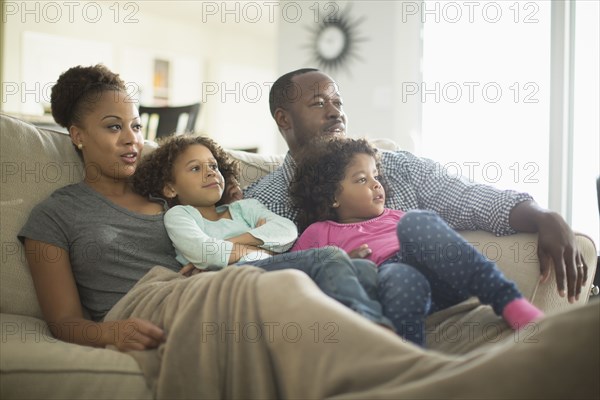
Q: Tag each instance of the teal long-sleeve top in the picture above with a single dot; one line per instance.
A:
(204, 243)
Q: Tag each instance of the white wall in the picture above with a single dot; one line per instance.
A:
(236, 55)
(371, 86)
(203, 44)
(142, 33)
(237, 86)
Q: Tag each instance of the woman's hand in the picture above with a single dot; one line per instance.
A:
(190, 269)
(135, 334)
(361, 251)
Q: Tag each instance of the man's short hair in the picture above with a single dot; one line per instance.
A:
(278, 97)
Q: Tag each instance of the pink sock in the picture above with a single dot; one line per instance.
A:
(520, 312)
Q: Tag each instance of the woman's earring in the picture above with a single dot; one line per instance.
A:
(335, 204)
(80, 146)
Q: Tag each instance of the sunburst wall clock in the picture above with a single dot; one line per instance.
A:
(335, 41)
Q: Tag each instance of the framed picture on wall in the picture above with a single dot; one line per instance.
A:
(161, 81)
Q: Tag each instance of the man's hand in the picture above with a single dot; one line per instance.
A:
(260, 222)
(556, 246)
(361, 251)
(232, 192)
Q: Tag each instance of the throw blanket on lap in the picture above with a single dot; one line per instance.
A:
(215, 350)
(211, 321)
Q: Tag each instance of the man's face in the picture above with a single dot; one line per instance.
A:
(314, 110)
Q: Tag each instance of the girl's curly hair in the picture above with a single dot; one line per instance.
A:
(156, 170)
(319, 170)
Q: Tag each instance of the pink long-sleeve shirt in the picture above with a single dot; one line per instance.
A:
(379, 233)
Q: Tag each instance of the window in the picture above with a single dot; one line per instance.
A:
(486, 99)
(485, 92)
(586, 126)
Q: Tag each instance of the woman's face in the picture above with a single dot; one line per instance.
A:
(111, 138)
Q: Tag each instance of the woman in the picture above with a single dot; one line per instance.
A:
(202, 342)
(94, 226)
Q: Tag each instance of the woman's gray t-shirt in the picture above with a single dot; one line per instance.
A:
(110, 248)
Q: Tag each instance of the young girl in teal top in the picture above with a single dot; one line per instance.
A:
(189, 173)
(423, 264)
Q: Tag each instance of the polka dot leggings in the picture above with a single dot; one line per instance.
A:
(435, 269)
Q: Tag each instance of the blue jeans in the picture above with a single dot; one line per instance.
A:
(351, 282)
(436, 268)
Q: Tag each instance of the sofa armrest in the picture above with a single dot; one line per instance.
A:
(516, 256)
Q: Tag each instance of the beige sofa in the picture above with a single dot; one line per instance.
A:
(34, 365)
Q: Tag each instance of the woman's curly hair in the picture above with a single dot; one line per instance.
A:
(319, 170)
(156, 170)
(78, 88)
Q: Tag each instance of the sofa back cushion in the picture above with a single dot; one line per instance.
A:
(254, 166)
(34, 163)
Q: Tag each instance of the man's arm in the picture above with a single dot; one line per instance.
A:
(421, 183)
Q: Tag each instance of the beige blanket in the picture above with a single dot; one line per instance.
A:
(212, 334)
(230, 335)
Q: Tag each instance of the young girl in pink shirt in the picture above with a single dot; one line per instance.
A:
(423, 264)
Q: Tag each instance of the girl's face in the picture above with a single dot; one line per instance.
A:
(197, 180)
(111, 138)
(361, 196)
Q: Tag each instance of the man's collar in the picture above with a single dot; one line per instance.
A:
(289, 167)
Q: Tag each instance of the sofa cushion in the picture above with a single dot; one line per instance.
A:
(34, 365)
(254, 166)
(35, 162)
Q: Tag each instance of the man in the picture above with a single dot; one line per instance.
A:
(306, 103)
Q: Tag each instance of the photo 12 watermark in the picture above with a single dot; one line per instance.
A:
(54, 12)
(254, 92)
(236, 92)
(91, 252)
(489, 332)
(267, 11)
(491, 172)
(252, 332)
(41, 92)
(470, 11)
(470, 92)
